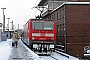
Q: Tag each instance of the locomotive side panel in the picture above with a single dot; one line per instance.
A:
(26, 34)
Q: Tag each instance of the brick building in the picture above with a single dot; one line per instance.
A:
(73, 23)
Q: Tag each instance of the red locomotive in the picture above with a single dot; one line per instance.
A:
(40, 35)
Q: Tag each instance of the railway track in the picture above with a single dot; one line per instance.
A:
(54, 56)
(58, 56)
(49, 58)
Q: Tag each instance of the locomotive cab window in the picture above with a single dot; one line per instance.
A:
(37, 25)
(48, 25)
(43, 25)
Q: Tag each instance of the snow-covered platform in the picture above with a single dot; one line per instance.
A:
(7, 52)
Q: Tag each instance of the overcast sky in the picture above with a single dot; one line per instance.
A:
(18, 10)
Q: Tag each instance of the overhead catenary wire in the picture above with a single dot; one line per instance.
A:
(34, 13)
(30, 16)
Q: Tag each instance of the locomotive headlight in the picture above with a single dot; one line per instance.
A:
(52, 38)
(35, 45)
(33, 38)
(51, 46)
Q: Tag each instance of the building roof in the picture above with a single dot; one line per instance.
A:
(42, 2)
(72, 3)
(77, 2)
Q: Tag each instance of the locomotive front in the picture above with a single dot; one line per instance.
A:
(43, 36)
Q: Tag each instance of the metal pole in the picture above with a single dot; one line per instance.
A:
(8, 27)
(8, 23)
(3, 20)
(12, 26)
(18, 26)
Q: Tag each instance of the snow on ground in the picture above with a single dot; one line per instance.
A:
(59, 57)
(5, 50)
(34, 56)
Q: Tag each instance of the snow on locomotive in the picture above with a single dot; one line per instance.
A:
(40, 35)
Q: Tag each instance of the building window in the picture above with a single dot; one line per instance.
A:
(58, 31)
(54, 17)
(50, 18)
(61, 30)
(64, 30)
(64, 13)
(57, 16)
(60, 14)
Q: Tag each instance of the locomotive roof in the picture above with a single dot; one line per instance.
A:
(41, 20)
(38, 20)
(72, 3)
